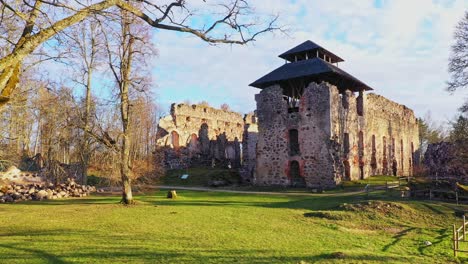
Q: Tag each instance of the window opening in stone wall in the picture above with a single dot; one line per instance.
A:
(384, 154)
(292, 96)
(361, 154)
(347, 170)
(346, 143)
(293, 142)
(412, 158)
(187, 119)
(401, 154)
(193, 140)
(344, 100)
(361, 144)
(175, 139)
(360, 104)
(394, 168)
(374, 152)
(295, 175)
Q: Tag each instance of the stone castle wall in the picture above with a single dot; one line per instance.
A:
(337, 137)
(249, 148)
(392, 137)
(200, 134)
(187, 120)
(272, 145)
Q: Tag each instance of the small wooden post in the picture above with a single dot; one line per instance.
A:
(454, 241)
(464, 228)
(430, 194)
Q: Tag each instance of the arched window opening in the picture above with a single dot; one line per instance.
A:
(175, 139)
(193, 140)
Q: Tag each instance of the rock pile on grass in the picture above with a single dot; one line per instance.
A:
(15, 192)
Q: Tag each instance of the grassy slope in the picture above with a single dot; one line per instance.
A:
(209, 227)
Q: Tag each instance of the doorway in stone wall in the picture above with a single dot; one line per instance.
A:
(295, 174)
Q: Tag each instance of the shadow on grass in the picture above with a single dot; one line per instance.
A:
(398, 237)
(304, 202)
(42, 254)
(132, 254)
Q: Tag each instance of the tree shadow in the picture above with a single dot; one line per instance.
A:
(443, 236)
(133, 254)
(51, 258)
(398, 237)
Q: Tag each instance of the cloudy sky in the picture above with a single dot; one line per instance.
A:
(398, 47)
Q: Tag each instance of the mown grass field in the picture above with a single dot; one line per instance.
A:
(212, 227)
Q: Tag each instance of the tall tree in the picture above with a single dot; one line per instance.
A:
(84, 56)
(459, 131)
(128, 47)
(458, 61)
(232, 23)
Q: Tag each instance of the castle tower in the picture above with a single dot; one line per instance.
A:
(311, 121)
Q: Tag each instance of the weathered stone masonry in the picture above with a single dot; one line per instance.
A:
(317, 127)
(200, 133)
(314, 126)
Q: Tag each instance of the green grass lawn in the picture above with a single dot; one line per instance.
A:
(209, 227)
(199, 176)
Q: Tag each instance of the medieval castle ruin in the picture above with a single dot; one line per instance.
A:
(315, 126)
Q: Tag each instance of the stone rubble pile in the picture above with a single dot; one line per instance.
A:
(40, 191)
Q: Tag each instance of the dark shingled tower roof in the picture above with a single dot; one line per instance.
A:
(308, 69)
(310, 47)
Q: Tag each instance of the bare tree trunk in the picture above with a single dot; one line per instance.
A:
(125, 66)
(85, 147)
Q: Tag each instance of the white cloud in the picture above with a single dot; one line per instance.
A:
(400, 49)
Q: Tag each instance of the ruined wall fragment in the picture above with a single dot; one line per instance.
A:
(392, 136)
(200, 133)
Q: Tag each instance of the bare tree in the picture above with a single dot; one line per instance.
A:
(458, 62)
(128, 47)
(232, 23)
(84, 56)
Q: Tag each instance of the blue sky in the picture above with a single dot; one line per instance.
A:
(398, 47)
